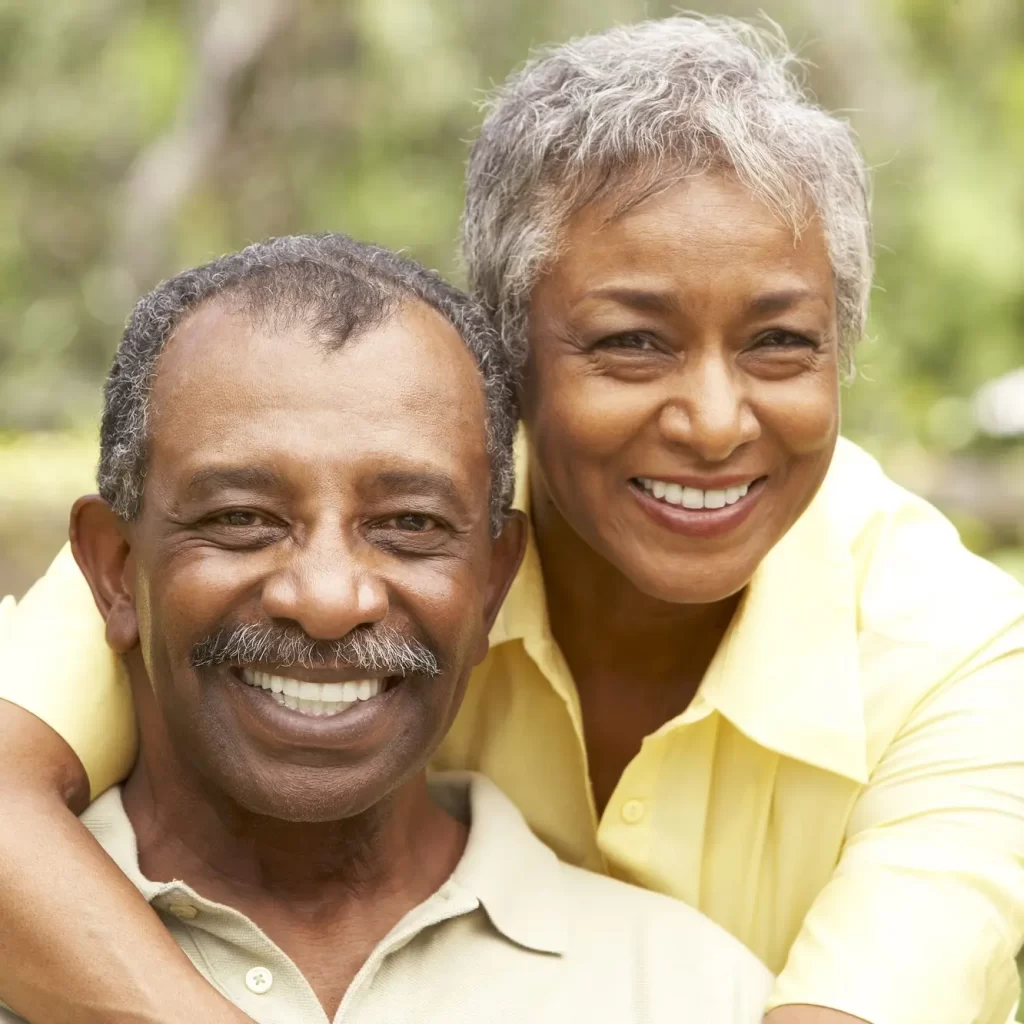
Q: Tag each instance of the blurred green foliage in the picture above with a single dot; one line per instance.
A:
(140, 136)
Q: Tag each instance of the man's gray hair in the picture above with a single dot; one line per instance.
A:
(621, 115)
(332, 285)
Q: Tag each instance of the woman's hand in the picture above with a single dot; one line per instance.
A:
(78, 942)
(810, 1015)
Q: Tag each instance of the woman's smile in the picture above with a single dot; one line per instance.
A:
(696, 511)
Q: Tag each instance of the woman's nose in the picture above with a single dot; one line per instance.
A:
(709, 412)
(328, 588)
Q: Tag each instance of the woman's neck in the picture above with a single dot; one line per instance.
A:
(599, 618)
(637, 662)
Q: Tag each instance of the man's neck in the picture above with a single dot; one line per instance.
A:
(207, 838)
(326, 892)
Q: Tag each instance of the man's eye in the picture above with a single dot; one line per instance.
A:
(412, 522)
(238, 518)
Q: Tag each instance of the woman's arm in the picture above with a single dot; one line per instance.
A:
(810, 1015)
(78, 943)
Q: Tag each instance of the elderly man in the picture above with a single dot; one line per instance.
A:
(303, 537)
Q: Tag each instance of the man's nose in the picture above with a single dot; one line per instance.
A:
(327, 588)
(708, 411)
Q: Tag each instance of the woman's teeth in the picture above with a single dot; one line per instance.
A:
(318, 699)
(692, 497)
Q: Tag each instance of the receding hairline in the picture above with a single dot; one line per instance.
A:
(233, 304)
(225, 305)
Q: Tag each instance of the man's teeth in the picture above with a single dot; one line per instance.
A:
(692, 497)
(317, 699)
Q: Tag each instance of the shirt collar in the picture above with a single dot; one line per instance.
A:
(505, 868)
(111, 827)
(786, 673)
(516, 878)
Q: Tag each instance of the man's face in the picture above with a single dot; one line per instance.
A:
(295, 495)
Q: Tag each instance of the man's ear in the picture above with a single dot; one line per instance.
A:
(507, 551)
(101, 548)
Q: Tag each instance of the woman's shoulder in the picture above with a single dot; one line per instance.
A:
(916, 582)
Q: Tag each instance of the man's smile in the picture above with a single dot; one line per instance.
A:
(319, 699)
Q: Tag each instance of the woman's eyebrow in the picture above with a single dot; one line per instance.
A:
(646, 300)
(780, 301)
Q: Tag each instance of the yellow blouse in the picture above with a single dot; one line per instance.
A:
(845, 794)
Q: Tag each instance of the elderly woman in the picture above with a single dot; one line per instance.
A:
(739, 665)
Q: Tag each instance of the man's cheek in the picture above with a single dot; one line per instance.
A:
(194, 602)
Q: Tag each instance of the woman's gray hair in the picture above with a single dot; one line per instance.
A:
(623, 114)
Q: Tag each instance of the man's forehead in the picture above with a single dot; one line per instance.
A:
(226, 383)
(218, 352)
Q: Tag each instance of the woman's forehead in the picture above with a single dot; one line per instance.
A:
(708, 230)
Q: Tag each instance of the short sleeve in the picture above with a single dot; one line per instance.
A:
(55, 663)
(924, 915)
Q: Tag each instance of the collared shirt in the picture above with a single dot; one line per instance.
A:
(514, 936)
(845, 794)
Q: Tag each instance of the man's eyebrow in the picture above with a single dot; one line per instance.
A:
(397, 481)
(242, 478)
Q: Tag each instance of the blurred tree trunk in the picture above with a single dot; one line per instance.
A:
(230, 38)
(867, 53)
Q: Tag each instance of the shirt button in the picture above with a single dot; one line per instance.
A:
(259, 980)
(632, 811)
(183, 911)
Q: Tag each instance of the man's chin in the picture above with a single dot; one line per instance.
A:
(278, 762)
(313, 801)
(299, 792)
(309, 784)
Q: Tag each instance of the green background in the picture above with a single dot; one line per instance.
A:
(140, 137)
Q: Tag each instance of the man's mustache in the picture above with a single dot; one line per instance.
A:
(379, 650)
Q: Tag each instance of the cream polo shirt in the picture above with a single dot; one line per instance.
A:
(845, 794)
(514, 936)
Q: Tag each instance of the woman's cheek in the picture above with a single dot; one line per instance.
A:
(593, 417)
(805, 417)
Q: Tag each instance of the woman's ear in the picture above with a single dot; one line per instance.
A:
(100, 544)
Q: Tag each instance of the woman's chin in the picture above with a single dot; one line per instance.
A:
(695, 593)
(708, 584)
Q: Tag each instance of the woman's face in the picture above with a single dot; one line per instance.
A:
(682, 395)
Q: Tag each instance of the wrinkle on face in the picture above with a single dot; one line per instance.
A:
(695, 332)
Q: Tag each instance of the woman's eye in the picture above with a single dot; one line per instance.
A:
(784, 339)
(636, 341)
